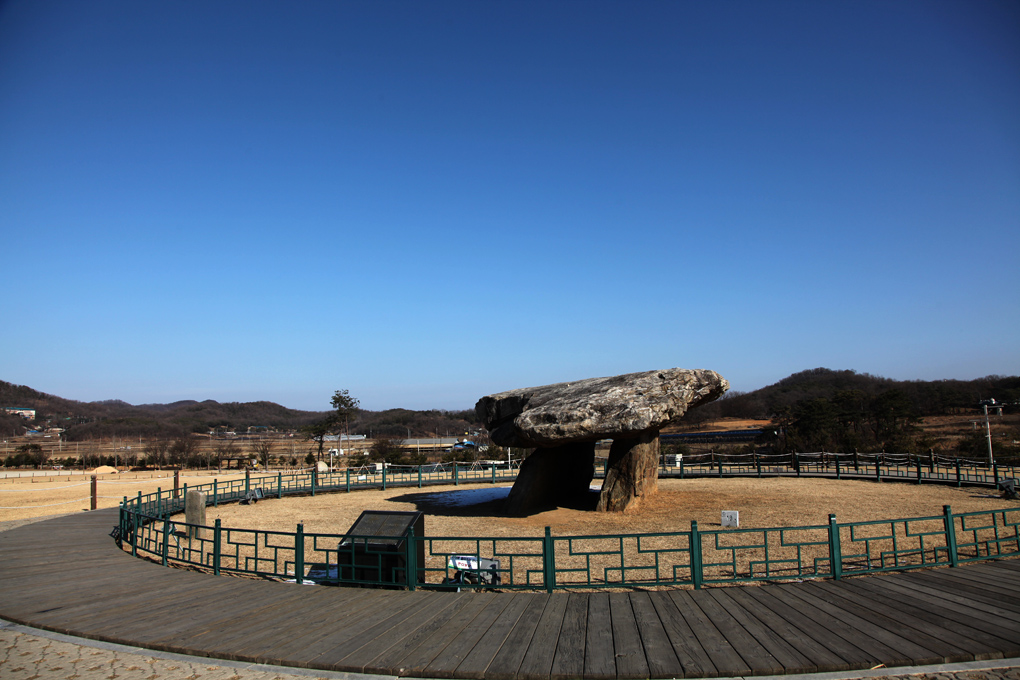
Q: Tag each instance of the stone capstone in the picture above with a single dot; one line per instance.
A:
(629, 409)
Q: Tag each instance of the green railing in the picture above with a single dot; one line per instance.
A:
(148, 526)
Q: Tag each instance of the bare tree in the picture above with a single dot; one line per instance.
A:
(262, 448)
(224, 449)
(90, 454)
(346, 408)
(156, 450)
(181, 450)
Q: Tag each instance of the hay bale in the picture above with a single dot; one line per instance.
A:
(105, 470)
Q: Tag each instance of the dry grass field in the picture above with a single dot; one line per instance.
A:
(775, 502)
(475, 511)
(30, 497)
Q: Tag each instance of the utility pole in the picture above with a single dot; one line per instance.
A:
(988, 433)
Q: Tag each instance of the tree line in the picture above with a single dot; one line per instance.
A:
(83, 421)
(844, 411)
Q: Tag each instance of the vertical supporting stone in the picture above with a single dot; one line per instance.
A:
(631, 473)
(550, 477)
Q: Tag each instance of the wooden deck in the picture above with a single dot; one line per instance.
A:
(67, 575)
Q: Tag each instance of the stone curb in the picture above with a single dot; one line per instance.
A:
(897, 671)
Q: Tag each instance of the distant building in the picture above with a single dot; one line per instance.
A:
(21, 411)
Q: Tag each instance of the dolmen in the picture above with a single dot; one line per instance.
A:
(564, 421)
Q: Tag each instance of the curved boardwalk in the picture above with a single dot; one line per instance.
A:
(67, 575)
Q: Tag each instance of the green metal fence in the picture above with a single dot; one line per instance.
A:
(150, 526)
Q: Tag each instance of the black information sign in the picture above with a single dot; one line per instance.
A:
(377, 523)
(374, 550)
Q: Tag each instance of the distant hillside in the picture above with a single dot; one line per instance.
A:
(115, 418)
(826, 410)
(928, 398)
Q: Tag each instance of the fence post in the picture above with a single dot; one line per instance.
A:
(185, 494)
(419, 476)
(159, 501)
(995, 475)
(796, 462)
(348, 480)
(315, 474)
(166, 539)
(720, 466)
(217, 531)
(411, 555)
(299, 553)
(835, 551)
(947, 512)
(384, 476)
(247, 481)
(279, 485)
(958, 482)
(697, 574)
(493, 468)
(681, 468)
(931, 461)
(216, 493)
(177, 483)
(917, 462)
(757, 462)
(134, 533)
(456, 480)
(95, 493)
(857, 465)
(549, 561)
(878, 470)
(838, 475)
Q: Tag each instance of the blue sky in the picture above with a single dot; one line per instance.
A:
(424, 203)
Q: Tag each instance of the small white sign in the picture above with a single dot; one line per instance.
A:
(730, 518)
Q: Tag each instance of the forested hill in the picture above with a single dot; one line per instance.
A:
(86, 420)
(118, 418)
(926, 398)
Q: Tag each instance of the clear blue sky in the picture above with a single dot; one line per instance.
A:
(424, 203)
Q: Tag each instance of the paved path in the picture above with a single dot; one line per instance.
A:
(66, 575)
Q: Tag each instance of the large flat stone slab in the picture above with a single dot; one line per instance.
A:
(596, 408)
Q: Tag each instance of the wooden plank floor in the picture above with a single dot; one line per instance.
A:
(67, 575)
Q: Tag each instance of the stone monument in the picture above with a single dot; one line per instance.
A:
(564, 421)
(194, 511)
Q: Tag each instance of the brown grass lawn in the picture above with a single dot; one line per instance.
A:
(474, 510)
(28, 498)
(761, 502)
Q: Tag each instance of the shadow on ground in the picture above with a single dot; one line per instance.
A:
(487, 502)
